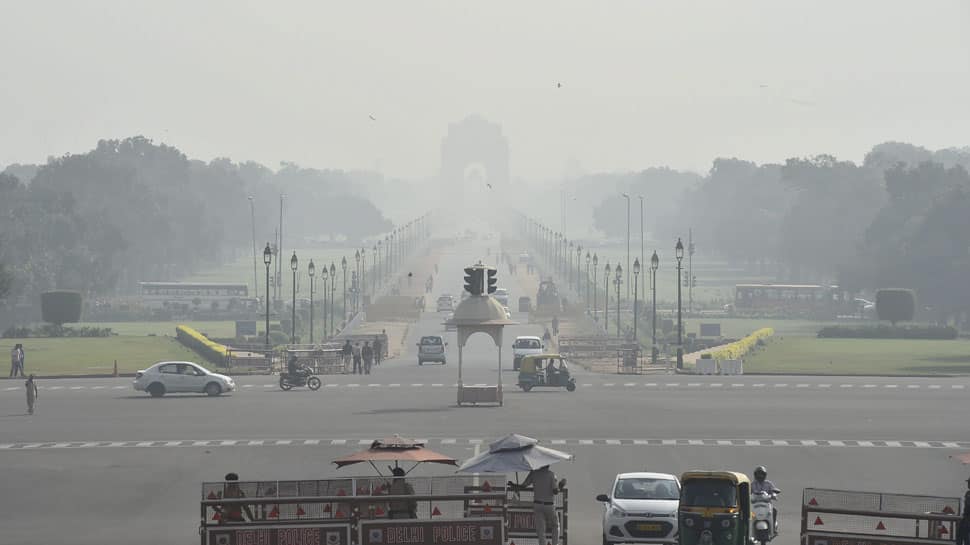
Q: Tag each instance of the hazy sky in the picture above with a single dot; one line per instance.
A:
(644, 82)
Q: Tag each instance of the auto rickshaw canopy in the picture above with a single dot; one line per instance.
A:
(733, 476)
(535, 362)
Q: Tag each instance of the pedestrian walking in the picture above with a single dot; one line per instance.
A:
(14, 360)
(378, 351)
(347, 352)
(358, 367)
(21, 357)
(32, 394)
(368, 354)
(545, 488)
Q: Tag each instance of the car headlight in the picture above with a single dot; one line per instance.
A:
(617, 512)
(761, 525)
(689, 522)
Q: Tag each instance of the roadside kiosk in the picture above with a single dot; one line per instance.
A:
(479, 313)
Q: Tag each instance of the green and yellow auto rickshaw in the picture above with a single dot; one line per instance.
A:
(545, 370)
(715, 508)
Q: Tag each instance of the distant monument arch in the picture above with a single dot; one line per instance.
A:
(474, 155)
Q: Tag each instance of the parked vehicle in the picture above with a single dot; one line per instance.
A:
(502, 296)
(525, 346)
(545, 370)
(642, 508)
(171, 377)
(432, 348)
(715, 508)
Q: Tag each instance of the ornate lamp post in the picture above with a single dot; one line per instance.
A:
(363, 272)
(294, 263)
(588, 260)
(606, 305)
(333, 291)
(595, 286)
(267, 259)
(343, 265)
(569, 265)
(636, 285)
(311, 270)
(355, 287)
(376, 265)
(679, 253)
(579, 255)
(330, 279)
(627, 197)
(654, 265)
(619, 281)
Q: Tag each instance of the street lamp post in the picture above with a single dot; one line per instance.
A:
(619, 281)
(579, 255)
(294, 263)
(595, 286)
(356, 288)
(606, 304)
(343, 265)
(569, 265)
(333, 291)
(627, 197)
(643, 256)
(376, 265)
(636, 286)
(363, 272)
(252, 209)
(267, 259)
(679, 253)
(311, 270)
(589, 258)
(654, 265)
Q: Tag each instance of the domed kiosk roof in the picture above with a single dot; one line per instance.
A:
(480, 310)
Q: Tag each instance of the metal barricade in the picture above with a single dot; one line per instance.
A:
(842, 517)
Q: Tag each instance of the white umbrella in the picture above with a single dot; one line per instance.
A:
(512, 454)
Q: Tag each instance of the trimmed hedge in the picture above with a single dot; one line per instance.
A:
(888, 332)
(895, 305)
(738, 349)
(60, 306)
(213, 352)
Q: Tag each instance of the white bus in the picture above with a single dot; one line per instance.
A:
(202, 295)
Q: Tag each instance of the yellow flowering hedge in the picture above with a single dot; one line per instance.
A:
(214, 352)
(738, 349)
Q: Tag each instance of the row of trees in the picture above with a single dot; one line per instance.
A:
(900, 219)
(132, 210)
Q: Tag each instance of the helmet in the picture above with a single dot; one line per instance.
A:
(760, 473)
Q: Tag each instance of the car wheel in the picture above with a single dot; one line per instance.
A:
(156, 389)
(213, 389)
(313, 383)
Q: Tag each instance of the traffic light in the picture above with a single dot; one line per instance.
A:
(492, 280)
(473, 280)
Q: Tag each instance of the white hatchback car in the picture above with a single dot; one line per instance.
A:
(181, 377)
(641, 509)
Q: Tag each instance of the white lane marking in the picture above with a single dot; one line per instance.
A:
(586, 442)
(338, 442)
(836, 443)
(437, 385)
(448, 441)
(330, 385)
(780, 385)
(650, 384)
(890, 386)
(693, 384)
(865, 443)
(640, 442)
(737, 385)
(76, 387)
(824, 385)
(312, 442)
(893, 444)
(55, 388)
(586, 384)
(868, 385)
(97, 387)
(846, 385)
(144, 443)
(267, 385)
(609, 384)
(716, 385)
(957, 386)
(808, 443)
(913, 386)
(759, 385)
(364, 442)
(558, 442)
(375, 385)
(247, 385)
(629, 384)
(395, 385)
(934, 386)
(613, 442)
(417, 385)
(801, 386)
(14, 388)
(673, 384)
(353, 385)
(119, 387)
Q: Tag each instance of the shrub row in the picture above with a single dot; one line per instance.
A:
(738, 349)
(888, 332)
(213, 352)
(52, 330)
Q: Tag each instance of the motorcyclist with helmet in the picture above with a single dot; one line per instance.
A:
(762, 484)
(295, 370)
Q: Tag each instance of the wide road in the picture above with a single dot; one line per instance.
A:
(100, 463)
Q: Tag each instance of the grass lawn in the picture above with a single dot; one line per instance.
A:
(221, 329)
(795, 354)
(74, 356)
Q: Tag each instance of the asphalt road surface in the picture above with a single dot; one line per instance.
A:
(100, 463)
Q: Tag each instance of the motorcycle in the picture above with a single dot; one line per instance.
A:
(763, 517)
(288, 381)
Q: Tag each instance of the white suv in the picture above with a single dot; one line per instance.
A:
(525, 346)
(181, 377)
(641, 509)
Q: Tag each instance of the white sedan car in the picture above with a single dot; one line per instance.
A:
(181, 377)
(641, 509)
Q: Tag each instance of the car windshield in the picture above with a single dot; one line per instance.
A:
(646, 488)
(527, 343)
(709, 493)
(430, 340)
